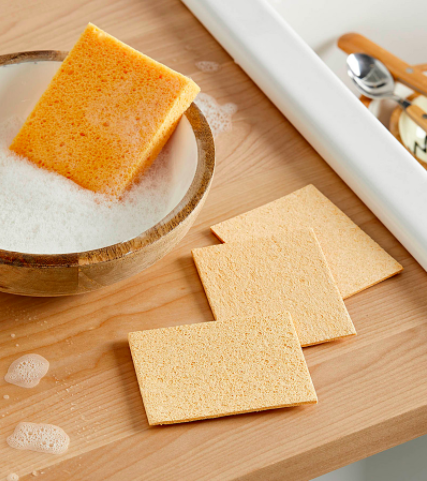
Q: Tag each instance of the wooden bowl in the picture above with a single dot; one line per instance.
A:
(395, 128)
(390, 115)
(76, 273)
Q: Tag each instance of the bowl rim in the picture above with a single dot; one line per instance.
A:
(393, 124)
(199, 187)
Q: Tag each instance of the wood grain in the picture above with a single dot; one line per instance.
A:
(418, 115)
(372, 389)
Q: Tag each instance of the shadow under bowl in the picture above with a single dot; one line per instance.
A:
(53, 275)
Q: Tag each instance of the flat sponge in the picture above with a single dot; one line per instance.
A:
(356, 261)
(106, 114)
(270, 275)
(214, 369)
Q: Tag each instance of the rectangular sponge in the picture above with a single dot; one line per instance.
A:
(276, 275)
(356, 261)
(106, 114)
(214, 369)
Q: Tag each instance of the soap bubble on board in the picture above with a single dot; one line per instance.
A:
(27, 371)
(207, 66)
(42, 438)
(219, 117)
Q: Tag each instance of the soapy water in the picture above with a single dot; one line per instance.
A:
(206, 66)
(43, 438)
(27, 371)
(44, 213)
(218, 116)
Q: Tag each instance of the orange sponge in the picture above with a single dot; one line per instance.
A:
(106, 114)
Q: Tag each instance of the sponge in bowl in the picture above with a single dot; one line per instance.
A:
(106, 114)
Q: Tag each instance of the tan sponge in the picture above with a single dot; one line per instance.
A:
(216, 369)
(272, 275)
(356, 261)
(106, 114)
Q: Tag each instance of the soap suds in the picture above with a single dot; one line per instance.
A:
(27, 371)
(12, 477)
(43, 438)
(206, 66)
(218, 116)
(45, 213)
(6, 396)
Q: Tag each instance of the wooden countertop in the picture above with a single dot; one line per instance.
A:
(372, 389)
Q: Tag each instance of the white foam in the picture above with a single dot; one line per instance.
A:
(45, 213)
(12, 477)
(218, 116)
(43, 438)
(27, 371)
(207, 66)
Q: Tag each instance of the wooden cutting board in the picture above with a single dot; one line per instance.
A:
(372, 389)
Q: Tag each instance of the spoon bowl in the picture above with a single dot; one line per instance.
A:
(373, 79)
(370, 76)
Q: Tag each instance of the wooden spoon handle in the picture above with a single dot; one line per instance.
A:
(401, 71)
(418, 115)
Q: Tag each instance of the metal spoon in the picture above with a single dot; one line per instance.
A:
(373, 79)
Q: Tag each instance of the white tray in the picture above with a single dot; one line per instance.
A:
(355, 144)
